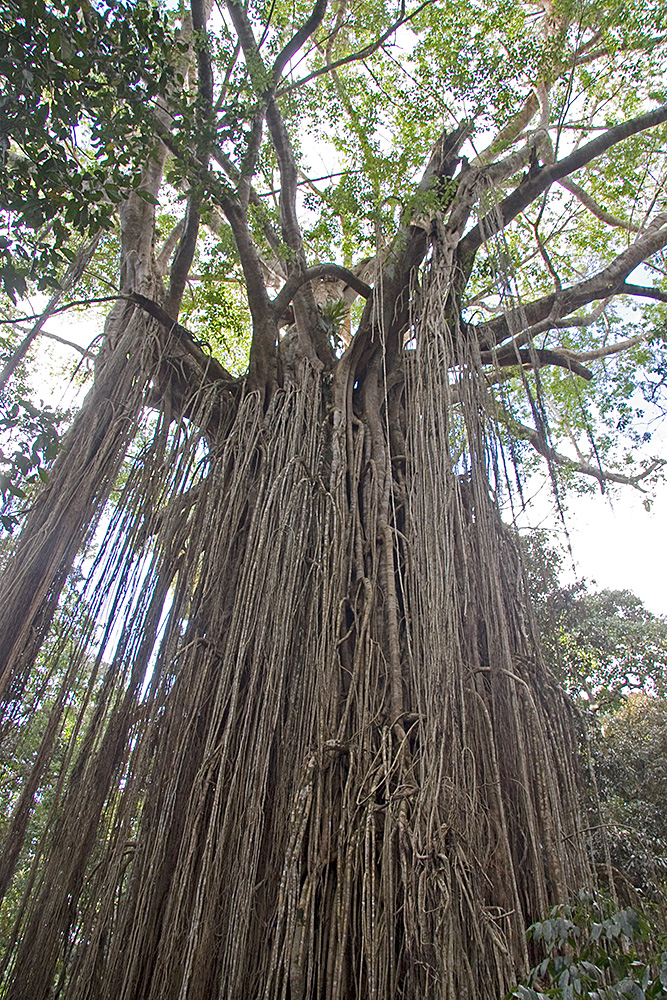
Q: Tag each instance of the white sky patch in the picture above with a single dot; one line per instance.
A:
(616, 543)
(622, 546)
(52, 375)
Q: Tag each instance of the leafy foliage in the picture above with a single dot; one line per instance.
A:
(215, 306)
(629, 748)
(86, 88)
(331, 478)
(610, 653)
(597, 952)
(75, 82)
(29, 441)
(602, 644)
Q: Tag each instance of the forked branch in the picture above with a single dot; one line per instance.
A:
(207, 363)
(542, 446)
(510, 357)
(363, 53)
(297, 40)
(297, 279)
(529, 319)
(532, 187)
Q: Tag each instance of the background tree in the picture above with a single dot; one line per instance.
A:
(609, 652)
(630, 759)
(602, 645)
(324, 757)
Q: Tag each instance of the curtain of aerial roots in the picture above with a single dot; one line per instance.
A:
(315, 754)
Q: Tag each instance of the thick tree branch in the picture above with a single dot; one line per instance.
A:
(579, 322)
(409, 246)
(204, 68)
(288, 177)
(642, 291)
(510, 357)
(357, 56)
(206, 362)
(312, 338)
(532, 187)
(244, 187)
(254, 199)
(496, 173)
(246, 37)
(511, 132)
(183, 258)
(263, 358)
(168, 247)
(603, 51)
(297, 40)
(297, 279)
(535, 317)
(187, 245)
(213, 182)
(529, 434)
(311, 335)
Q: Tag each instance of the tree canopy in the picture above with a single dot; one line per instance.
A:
(326, 138)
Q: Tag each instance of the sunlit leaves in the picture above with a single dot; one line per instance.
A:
(85, 88)
(215, 308)
(30, 441)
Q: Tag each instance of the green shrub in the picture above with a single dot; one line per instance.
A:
(592, 950)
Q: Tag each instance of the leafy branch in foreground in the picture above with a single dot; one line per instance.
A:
(596, 952)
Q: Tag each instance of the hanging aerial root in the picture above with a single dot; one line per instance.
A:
(318, 757)
(512, 786)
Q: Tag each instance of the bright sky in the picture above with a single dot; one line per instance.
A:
(616, 543)
(622, 546)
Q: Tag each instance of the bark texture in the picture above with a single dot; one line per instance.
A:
(322, 758)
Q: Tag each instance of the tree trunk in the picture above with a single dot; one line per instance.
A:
(327, 761)
(94, 447)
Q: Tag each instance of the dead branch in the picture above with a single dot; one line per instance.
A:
(617, 348)
(85, 352)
